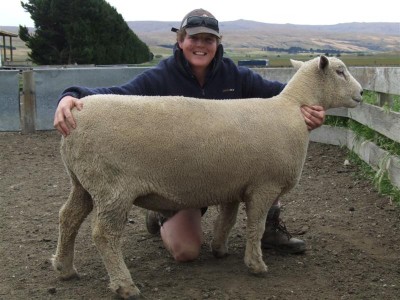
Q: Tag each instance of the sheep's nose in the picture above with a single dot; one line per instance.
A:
(361, 92)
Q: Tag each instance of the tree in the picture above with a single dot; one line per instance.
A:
(80, 31)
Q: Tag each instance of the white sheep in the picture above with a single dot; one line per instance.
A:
(170, 153)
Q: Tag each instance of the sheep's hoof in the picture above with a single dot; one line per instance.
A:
(64, 273)
(219, 250)
(130, 292)
(73, 275)
(219, 253)
(256, 267)
(138, 297)
(260, 271)
(261, 274)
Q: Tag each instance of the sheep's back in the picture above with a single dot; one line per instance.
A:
(179, 145)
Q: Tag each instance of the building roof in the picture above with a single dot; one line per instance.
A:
(7, 33)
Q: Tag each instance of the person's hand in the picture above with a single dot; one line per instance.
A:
(314, 116)
(64, 122)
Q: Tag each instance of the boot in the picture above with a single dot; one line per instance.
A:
(154, 221)
(277, 237)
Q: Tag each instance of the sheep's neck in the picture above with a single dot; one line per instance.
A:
(303, 90)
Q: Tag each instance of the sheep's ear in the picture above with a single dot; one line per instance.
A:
(296, 63)
(323, 62)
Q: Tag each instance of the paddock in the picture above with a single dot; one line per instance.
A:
(352, 236)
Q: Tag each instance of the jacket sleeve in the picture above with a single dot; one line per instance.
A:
(254, 86)
(140, 85)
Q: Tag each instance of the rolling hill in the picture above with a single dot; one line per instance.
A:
(364, 37)
(245, 34)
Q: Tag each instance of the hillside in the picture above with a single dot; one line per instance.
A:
(250, 34)
(245, 34)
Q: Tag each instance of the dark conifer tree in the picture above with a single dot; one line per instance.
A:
(80, 31)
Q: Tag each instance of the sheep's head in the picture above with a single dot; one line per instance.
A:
(338, 88)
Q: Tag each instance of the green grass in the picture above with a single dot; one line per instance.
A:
(380, 179)
(381, 59)
(282, 60)
(371, 97)
(378, 139)
(372, 59)
(277, 60)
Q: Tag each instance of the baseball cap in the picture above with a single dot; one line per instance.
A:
(199, 21)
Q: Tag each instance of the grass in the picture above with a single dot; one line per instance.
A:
(380, 179)
(277, 60)
(371, 97)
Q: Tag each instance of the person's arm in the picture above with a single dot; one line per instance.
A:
(64, 121)
(314, 116)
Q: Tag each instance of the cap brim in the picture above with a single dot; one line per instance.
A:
(197, 30)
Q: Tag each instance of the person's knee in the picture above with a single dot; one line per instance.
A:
(185, 253)
(182, 235)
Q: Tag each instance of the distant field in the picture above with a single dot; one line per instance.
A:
(275, 59)
(283, 60)
(20, 52)
(381, 60)
(244, 39)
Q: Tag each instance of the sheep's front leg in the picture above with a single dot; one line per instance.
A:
(222, 227)
(257, 209)
(107, 231)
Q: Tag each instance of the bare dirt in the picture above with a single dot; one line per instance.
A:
(352, 236)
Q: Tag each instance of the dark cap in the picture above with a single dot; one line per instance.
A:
(199, 21)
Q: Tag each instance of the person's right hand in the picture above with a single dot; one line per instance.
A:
(64, 122)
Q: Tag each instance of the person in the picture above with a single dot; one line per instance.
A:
(196, 69)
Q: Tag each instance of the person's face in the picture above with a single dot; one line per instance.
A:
(199, 49)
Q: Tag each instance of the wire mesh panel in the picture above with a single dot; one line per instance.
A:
(49, 83)
(9, 100)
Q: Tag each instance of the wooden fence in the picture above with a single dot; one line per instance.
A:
(386, 82)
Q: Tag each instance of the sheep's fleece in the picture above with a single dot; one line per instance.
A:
(170, 153)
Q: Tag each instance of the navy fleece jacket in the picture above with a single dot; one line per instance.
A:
(173, 76)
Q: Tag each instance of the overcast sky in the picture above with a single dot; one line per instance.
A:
(309, 12)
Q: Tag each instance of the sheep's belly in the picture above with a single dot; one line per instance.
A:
(192, 200)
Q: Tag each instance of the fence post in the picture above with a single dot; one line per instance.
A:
(28, 103)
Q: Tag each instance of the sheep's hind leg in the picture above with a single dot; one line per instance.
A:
(108, 226)
(71, 216)
(222, 227)
(257, 208)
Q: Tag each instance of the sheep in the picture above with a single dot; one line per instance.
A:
(170, 153)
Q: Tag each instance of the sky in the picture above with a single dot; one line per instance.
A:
(306, 12)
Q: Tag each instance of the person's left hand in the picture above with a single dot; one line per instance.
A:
(314, 116)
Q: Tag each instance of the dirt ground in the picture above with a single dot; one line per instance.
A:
(352, 236)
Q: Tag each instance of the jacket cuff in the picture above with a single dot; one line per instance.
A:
(72, 94)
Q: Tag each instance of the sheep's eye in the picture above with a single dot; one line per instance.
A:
(341, 73)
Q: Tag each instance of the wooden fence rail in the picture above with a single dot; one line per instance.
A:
(386, 82)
